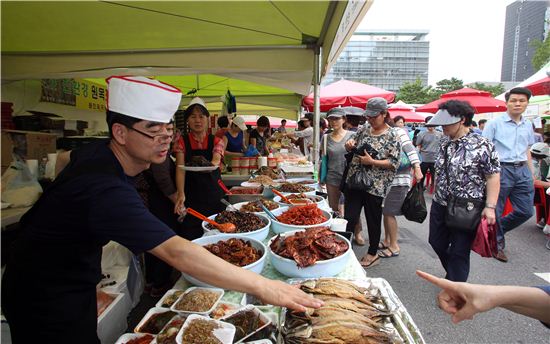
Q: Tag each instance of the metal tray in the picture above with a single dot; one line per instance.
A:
(400, 323)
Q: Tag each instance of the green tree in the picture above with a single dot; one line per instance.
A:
(495, 90)
(415, 93)
(448, 85)
(542, 53)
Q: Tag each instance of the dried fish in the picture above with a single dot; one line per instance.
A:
(349, 315)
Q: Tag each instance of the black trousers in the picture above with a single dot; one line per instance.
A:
(424, 167)
(451, 246)
(354, 201)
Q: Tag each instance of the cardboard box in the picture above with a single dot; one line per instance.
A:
(61, 123)
(27, 144)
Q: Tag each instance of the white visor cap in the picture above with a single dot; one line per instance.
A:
(142, 98)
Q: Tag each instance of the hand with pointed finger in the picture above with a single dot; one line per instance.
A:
(461, 300)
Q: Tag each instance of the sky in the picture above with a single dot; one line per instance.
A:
(466, 36)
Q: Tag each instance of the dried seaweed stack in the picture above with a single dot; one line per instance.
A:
(349, 315)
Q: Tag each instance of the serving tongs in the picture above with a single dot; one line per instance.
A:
(230, 206)
(223, 227)
(267, 211)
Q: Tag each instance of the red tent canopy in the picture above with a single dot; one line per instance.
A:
(408, 113)
(481, 101)
(540, 87)
(347, 93)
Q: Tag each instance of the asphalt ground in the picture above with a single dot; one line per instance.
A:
(527, 255)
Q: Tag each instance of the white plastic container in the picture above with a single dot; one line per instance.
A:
(259, 234)
(321, 268)
(279, 227)
(339, 225)
(166, 295)
(112, 322)
(220, 293)
(150, 312)
(263, 319)
(225, 333)
(125, 338)
(227, 308)
(256, 267)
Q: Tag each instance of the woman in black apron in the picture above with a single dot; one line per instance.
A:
(198, 190)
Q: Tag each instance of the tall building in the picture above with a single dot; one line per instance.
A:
(385, 59)
(526, 20)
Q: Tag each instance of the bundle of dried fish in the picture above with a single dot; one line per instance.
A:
(349, 315)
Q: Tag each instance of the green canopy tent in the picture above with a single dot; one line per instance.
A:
(285, 44)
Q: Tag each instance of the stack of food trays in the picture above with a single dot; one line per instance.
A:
(199, 314)
(366, 310)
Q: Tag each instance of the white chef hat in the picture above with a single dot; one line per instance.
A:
(142, 98)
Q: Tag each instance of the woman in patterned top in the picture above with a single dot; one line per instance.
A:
(466, 166)
(376, 149)
(398, 191)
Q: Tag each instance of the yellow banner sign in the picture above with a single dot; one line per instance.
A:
(79, 93)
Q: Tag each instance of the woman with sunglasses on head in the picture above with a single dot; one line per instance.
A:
(198, 190)
(376, 150)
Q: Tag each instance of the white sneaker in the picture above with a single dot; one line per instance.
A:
(541, 223)
(546, 229)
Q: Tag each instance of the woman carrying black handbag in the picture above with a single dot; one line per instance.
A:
(467, 173)
(376, 150)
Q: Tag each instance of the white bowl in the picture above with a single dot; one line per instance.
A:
(256, 267)
(239, 205)
(279, 227)
(322, 268)
(311, 181)
(259, 234)
(319, 200)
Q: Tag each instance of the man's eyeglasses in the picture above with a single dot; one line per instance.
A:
(161, 138)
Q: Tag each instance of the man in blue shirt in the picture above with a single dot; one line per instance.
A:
(93, 201)
(513, 135)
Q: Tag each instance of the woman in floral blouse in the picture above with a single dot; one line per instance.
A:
(466, 166)
(376, 150)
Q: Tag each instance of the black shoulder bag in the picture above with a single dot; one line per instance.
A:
(462, 214)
